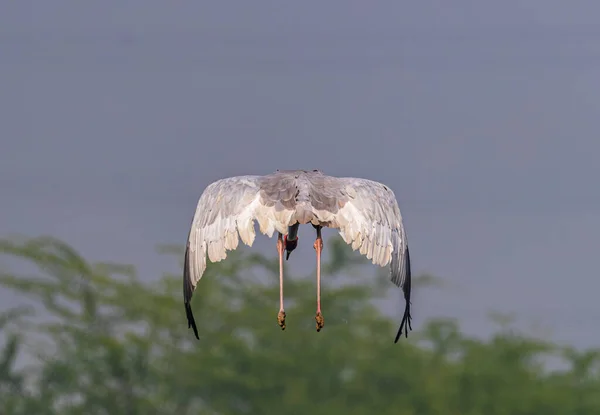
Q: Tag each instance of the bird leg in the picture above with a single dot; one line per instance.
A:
(281, 315)
(318, 245)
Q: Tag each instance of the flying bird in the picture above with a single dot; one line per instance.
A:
(365, 212)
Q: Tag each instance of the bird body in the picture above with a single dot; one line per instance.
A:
(365, 213)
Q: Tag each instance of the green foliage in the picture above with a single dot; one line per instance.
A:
(105, 342)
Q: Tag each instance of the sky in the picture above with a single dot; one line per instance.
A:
(482, 117)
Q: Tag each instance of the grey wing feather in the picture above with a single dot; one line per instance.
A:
(369, 219)
(228, 208)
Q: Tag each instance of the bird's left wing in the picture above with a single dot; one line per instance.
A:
(226, 208)
(369, 219)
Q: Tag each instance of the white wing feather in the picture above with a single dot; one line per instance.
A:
(226, 209)
(369, 219)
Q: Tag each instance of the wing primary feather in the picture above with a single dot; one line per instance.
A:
(406, 288)
(187, 292)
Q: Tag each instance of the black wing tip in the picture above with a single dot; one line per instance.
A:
(406, 318)
(406, 323)
(187, 292)
(190, 318)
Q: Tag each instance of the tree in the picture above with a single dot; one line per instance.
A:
(104, 342)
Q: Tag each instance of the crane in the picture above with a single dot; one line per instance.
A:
(365, 213)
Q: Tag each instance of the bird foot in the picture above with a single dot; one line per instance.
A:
(320, 321)
(281, 319)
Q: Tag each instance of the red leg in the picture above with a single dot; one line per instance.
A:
(281, 315)
(319, 247)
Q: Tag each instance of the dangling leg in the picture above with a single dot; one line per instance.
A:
(319, 247)
(281, 315)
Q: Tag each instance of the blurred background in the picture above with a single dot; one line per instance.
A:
(480, 116)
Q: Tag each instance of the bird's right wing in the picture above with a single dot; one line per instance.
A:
(369, 219)
(226, 208)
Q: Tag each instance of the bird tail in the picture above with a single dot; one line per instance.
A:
(304, 213)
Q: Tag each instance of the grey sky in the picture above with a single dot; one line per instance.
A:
(482, 118)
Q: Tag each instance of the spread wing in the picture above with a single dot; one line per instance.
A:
(368, 218)
(228, 208)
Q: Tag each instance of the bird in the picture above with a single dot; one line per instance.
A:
(365, 213)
